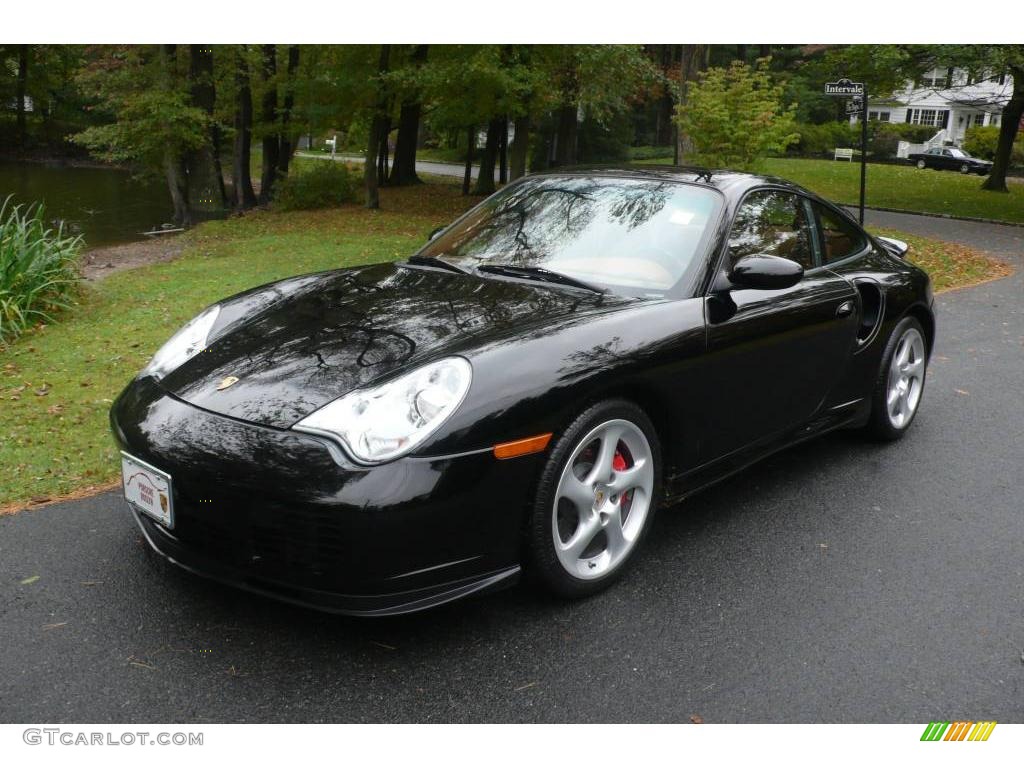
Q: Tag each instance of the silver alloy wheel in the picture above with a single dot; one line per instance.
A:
(965, 168)
(922, 164)
(906, 378)
(602, 499)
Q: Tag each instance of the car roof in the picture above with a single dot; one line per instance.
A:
(732, 184)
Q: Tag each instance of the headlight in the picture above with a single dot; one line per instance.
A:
(389, 421)
(183, 345)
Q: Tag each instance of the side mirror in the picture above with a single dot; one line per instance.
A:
(765, 272)
(897, 248)
(434, 233)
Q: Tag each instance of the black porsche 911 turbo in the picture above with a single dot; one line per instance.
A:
(522, 394)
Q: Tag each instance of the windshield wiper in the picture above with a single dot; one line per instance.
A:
(538, 273)
(433, 261)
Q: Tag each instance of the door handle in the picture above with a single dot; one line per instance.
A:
(845, 309)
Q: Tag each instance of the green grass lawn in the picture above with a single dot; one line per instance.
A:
(57, 382)
(902, 187)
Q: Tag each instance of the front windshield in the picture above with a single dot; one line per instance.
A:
(634, 236)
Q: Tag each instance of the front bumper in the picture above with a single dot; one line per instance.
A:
(276, 512)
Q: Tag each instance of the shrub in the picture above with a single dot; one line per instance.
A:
(651, 153)
(822, 140)
(883, 138)
(38, 268)
(604, 141)
(735, 117)
(323, 185)
(982, 140)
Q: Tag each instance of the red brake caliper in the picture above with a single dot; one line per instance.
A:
(619, 464)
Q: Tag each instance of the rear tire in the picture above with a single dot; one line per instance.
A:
(965, 169)
(595, 500)
(922, 164)
(899, 386)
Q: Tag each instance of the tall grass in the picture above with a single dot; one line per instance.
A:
(38, 268)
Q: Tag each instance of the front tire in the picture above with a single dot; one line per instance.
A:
(595, 501)
(900, 383)
(922, 164)
(965, 169)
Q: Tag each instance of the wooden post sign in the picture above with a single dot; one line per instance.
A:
(858, 103)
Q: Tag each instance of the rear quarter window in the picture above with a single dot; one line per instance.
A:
(840, 237)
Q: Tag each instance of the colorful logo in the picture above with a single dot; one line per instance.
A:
(960, 730)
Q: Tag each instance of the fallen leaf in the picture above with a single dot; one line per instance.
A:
(696, 719)
(54, 410)
(384, 645)
(528, 685)
(29, 580)
(47, 627)
(961, 391)
(43, 390)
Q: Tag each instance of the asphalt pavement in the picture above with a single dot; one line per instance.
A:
(839, 581)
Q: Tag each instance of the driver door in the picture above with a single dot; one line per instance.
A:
(774, 355)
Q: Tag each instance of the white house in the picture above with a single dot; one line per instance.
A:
(951, 100)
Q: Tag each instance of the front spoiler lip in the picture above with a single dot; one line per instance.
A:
(330, 602)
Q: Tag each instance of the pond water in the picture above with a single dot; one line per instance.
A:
(105, 205)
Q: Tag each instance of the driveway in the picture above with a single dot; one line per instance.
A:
(837, 581)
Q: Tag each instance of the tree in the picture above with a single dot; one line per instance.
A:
(268, 120)
(377, 134)
(734, 117)
(203, 162)
(403, 170)
(244, 196)
(154, 123)
(21, 105)
(693, 61)
(1001, 59)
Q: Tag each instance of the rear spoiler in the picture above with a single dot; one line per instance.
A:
(897, 248)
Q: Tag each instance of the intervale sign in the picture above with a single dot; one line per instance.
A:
(844, 87)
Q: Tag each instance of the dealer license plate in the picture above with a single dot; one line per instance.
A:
(148, 489)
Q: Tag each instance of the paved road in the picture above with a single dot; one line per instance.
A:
(838, 581)
(422, 166)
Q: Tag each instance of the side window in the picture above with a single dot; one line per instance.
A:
(839, 236)
(775, 223)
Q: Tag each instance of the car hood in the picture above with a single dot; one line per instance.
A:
(295, 346)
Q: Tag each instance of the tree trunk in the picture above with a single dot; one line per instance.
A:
(565, 136)
(244, 197)
(383, 155)
(1009, 125)
(694, 61)
(287, 143)
(467, 176)
(520, 148)
(374, 139)
(485, 176)
(503, 152)
(173, 163)
(268, 118)
(177, 185)
(20, 97)
(204, 170)
(403, 171)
